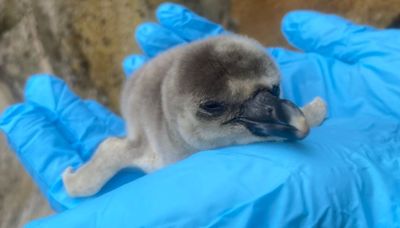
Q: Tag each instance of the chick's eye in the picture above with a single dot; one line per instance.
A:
(275, 90)
(212, 107)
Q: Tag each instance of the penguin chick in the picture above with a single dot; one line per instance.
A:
(211, 93)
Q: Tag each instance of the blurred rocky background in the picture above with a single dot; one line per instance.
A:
(84, 42)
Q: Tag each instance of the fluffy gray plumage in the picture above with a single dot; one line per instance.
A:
(211, 93)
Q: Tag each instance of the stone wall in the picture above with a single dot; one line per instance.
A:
(261, 18)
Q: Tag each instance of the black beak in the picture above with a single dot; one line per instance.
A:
(266, 115)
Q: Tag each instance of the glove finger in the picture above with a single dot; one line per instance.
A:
(186, 23)
(153, 38)
(82, 127)
(328, 35)
(297, 85)
(116, 125)
(42, 148)
(133, 62)
(283, 56)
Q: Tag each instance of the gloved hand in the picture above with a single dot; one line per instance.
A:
(344, 174)
(53, 129)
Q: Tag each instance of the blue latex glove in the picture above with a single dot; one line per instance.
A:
(53, 129)
(345, 174)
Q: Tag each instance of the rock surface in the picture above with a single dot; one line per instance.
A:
(261, 18)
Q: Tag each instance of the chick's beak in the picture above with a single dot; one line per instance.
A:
(266, 115)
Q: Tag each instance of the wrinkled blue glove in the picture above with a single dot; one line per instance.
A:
(345, 174)
(52, 129)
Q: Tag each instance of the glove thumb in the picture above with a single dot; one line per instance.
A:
(328, 35)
